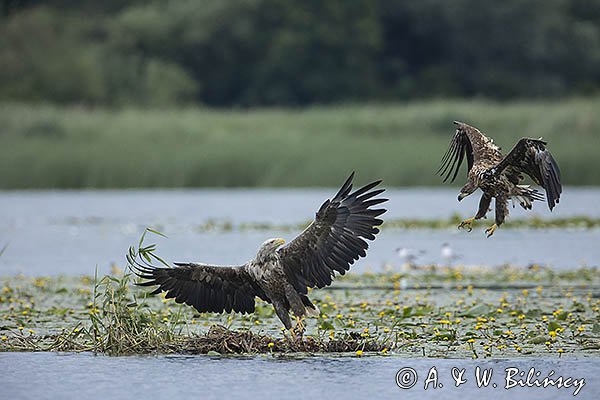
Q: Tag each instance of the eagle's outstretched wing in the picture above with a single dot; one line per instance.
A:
(531, 157)
(468, 142)
(207, 288)
(335, 239)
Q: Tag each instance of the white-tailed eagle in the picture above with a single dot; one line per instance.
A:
(280, 274)
(499, 176)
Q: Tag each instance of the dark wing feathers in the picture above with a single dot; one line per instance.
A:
(531, 157)
(460, 147)
(208, 288)
(335, 239)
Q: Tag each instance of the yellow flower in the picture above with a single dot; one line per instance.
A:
(471, 340)
(384, 351)
(270, 345)
(552, 334)
(525, 292)
(31, 331)
(581, 328)
(359, 353)
(386, 330)
(4, 338)
(20, 328)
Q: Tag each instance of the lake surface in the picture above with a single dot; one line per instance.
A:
(72, 232)
(76, 376)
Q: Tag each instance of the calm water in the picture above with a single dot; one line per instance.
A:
(85, 376)
(72, 232)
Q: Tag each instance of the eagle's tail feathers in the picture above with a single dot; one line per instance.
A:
(526, 196)
(309, 307)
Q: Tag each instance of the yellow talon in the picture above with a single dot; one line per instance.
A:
(298, 330)
(467, 224)
(490, 231)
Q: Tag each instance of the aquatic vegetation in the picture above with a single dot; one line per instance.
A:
(431, 311)
(437, 312)
(90, 147)
(534, 222)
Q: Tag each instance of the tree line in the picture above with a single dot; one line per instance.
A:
(282, 52)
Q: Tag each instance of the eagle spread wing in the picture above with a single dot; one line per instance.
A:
(468, 142)
(207, 288)
(335, 239)
(531, 157)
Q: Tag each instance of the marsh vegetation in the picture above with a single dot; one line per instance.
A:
(48, 146)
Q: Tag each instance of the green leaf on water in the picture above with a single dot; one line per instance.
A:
(538, 339)
(326, 325)
(552, 326)
(480, 309)
(562, 316)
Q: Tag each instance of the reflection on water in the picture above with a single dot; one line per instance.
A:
(71, 232)
(66, 376)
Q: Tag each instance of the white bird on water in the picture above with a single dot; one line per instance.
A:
(409, 255)
(448, 254)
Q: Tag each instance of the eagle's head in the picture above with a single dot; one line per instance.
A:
(268, 249)
(467, 190)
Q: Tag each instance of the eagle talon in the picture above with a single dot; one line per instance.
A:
(467, 224)
(299, 329)
(490, 231)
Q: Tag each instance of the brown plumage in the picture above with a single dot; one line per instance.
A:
(498, 176)
(280, 275)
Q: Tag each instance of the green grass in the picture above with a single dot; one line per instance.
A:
(46, 146)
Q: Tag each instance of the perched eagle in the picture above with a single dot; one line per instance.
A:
(280, 274)
(499, 176)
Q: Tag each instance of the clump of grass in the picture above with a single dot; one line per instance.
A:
(121, 324)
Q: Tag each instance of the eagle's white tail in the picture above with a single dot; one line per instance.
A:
(312, 312)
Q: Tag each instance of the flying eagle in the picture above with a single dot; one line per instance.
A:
(499, 176)
(280, 274)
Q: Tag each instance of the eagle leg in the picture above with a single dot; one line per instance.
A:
(490, 231)
(299, 328)
(467, 224)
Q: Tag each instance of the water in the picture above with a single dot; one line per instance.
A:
(75, 376)
(72, 232)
